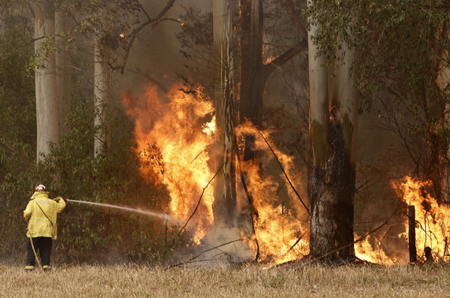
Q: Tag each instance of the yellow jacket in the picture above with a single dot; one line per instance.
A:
(41, 214)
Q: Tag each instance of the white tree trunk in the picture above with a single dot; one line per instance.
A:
(102, 94)
(45, 78)
(346, 96)
(319, 101)
(334, 135)
(225, 104)
(64, 70)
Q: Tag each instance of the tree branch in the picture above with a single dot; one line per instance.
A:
(149, 78)
(284, 172)
(199, 200)
(267, 69)
(193, 258)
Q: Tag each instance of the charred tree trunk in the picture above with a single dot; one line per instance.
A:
(45, 79)
(64, 71)
(226, 118)
(334, 135)
(443, 82)
(252, 86)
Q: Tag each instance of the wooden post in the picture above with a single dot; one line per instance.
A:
(412, 234)
(165, 231)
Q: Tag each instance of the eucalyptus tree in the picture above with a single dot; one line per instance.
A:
(404, 49)
(63, 37)
(400, 71)
(45, 76)
(334, 102)
(114, 26)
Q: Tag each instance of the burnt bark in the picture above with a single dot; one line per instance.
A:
(332, 200)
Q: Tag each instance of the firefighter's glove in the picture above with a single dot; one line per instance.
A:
(57, 199)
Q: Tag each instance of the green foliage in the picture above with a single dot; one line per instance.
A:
(402, 49)
(17, 135)
(89, 232)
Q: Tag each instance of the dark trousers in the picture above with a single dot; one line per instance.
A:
(43, 246)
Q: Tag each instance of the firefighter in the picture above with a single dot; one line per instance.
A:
(40, 214)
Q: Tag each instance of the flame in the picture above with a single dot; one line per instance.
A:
(171, 144)
(277, 230)
(269, 60)
(173, 134)
(365, 251)
(432, 226)
(432, 219)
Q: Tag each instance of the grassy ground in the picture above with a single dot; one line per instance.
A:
(247, 281)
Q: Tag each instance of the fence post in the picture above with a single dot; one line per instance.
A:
(412, 234)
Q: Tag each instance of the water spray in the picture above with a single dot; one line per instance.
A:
(145, 212)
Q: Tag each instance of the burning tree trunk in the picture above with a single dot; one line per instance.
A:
(443, 82)
(252, 86)
(102, 98)
(45, 78)
(334, 136)
(64, 70)
(254, 75)
(225, 104)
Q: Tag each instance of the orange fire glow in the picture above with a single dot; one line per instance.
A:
(174, 133)
(432, 219)
(277, 229)
(172, 146)
(365, 251)
(432, 226)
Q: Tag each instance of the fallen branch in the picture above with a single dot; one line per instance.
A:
(284, 172)
(296, 242)
(250, 200)
(193, 258)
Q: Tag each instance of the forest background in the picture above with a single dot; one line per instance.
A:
(400, 74)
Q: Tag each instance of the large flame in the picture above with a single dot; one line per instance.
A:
(432, 226)
(174, 133)
(172, 136)
(280, 234)
(432, 219)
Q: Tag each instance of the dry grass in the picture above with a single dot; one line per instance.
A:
(250, 281)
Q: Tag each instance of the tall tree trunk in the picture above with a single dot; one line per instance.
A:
(64, 70)
(225, 103)
(334, 135)
(45, 78)
(443, 81)
(2, 23)
(102, 94)
(252, 87)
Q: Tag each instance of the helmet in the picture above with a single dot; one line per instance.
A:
(39, 187)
